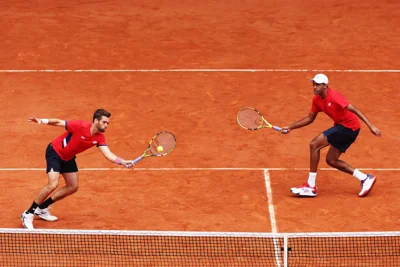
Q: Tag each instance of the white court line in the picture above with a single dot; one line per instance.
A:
(274, 228)
(201, 169)
(196, 70)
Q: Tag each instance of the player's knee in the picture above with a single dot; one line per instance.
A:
(331, 161)
(74, 189)
(314, 145)
(52, 185)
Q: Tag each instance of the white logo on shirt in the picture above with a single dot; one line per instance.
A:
(94, 142)
(83, 137)
(329, 104)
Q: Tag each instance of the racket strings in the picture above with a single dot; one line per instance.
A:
(249, 118)
(166, 140)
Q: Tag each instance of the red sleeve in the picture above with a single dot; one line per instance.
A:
(101, 140)
(340, 100)
(72, 126)
(314, 106)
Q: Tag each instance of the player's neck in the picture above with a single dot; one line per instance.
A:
(93, 129)
(324, 93)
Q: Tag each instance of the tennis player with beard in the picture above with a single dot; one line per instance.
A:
(80, 135)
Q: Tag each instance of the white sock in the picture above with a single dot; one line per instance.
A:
(359, 175)
(312, 176)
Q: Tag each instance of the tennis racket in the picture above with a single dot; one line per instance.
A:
(160, 145)
(252, 119)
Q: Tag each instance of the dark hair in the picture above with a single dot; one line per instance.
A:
(101, 112)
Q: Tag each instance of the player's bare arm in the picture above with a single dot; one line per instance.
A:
(362, 117)
(53, 122)
(113, 158)
(301, 123)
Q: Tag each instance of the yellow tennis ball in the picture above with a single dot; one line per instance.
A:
(160, 149)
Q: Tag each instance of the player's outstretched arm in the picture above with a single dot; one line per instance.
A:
(115, 159)
(53, 122)
(362, 117)
(301, 123)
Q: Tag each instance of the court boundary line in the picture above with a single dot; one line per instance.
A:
(199, 233)
(272, 218)
(196, 70)
(201, 169)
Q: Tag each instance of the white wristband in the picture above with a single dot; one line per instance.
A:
(44, 121)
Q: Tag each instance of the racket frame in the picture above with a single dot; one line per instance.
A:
(148, 149)
(267, 124)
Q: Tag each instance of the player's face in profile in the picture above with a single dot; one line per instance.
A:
(102, 124)
(318, 88)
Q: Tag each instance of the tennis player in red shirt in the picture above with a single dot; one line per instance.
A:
(60, 159)
(344, 132)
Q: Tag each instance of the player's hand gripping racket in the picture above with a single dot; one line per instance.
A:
(160, 145)
(252, 119)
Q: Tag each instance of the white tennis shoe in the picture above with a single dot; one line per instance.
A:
(304, 190)
(27, 220)
(45, 215)
(366, 185)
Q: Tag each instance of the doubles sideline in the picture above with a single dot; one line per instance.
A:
(198, 70)
(201, 169)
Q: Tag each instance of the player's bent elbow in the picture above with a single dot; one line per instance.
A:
(60, 123)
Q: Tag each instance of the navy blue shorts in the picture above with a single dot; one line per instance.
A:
(53, 161)
(341, 137)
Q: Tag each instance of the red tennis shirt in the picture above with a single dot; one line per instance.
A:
(334, 105)
(76, 139)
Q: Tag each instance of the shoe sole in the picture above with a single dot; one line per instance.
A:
(366, 192)
(23, 223)
(302, 195)
(40, 216)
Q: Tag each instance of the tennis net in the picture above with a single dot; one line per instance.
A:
(20, 247)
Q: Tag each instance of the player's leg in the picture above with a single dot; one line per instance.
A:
(309, 188)
(340, 140)
(318, 143)
(27, 216)
(69, 171)
(53, 167)
(44, 199)
(332, 159)
(71, 186)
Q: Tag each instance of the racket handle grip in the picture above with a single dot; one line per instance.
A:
(137, 160)
(277, 128)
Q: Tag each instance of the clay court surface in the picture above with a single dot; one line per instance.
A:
(186, 191)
